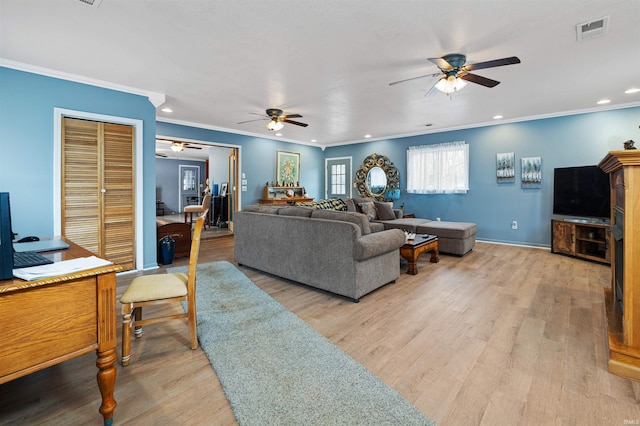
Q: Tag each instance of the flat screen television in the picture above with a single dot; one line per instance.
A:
(581, 191)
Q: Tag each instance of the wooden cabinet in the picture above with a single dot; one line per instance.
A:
(622, 298)
(283, 194)
(581, 239)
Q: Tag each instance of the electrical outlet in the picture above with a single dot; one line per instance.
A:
(514, 225)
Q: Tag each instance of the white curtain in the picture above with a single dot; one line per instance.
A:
(438, 169)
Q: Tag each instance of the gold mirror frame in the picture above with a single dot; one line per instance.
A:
(390, 170)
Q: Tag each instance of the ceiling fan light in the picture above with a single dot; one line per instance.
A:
(177, 147)
(450, 84)
(274, 125)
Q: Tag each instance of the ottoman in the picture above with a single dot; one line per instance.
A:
(456, 238)
(404, 224)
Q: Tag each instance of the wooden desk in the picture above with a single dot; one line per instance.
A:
(49, 321)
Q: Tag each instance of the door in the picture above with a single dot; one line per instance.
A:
(188, 184)
(97, 188)
(232, 190)
(338, 177)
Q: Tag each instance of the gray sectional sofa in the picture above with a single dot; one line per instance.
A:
(335, 251)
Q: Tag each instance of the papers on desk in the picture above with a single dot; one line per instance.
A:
(60, 268)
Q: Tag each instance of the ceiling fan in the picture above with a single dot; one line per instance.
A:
(179, 146)
(455, 74)
(276, 117)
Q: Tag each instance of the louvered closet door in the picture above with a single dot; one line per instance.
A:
(97, 188)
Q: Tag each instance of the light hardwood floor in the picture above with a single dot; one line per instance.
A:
(505, 335)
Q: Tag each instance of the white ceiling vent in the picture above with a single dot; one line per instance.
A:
(592, 29)
(94, 3)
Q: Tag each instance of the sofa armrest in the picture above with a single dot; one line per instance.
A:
(378, 243)
(399, 213)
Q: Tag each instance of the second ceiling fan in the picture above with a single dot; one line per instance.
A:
(276, 117)
(454, 73)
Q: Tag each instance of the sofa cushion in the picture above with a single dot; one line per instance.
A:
(353, 217)
(352, 203)
(328, 204)
(295, 211)
(262, 208)
(448, 229)
(385, 210)
(369, 210)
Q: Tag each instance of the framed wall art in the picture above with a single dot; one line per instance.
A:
(287, 168)
(531, 172)
(224, 186)
(505, 167)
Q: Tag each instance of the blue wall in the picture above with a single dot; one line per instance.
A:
(258, 161)
(575, 140)
(27, 102)
(167, 181)
(26, 158)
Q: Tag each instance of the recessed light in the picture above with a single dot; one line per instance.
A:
(278, 134)
(167, 110)
(367, 136)
(314, 140)
(497, 117)
(603, 101)
(633, 90)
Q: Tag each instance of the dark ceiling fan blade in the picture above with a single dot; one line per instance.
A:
(297, 123)
(292, 116)
(441, 63)
(491, 64)
(193, 147)
(161, 155)
(475, 78)
(257, 119)
(414, 78)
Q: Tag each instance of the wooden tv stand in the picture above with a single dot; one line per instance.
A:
(581, 239)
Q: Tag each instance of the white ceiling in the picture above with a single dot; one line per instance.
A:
(331, 61)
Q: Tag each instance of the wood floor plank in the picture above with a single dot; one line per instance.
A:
(504, 335)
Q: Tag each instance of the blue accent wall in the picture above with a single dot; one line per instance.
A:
(167, 181)
(576, 140)
(27, 103)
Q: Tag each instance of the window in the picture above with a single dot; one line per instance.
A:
(438, 169)
(338, 173)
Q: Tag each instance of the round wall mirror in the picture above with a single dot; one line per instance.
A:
(376, 176)
(376, 181)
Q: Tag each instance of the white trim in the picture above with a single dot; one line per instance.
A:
(216, 145)
(156, 98)
(58, 114)
(349, 185)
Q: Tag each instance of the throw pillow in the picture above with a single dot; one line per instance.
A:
(369, 209)
(385, 210)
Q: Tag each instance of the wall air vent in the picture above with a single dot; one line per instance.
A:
(592, 29)
(94, 3)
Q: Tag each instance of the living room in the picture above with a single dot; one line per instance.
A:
(570, 136)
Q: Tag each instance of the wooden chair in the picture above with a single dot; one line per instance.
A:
(206, 204)
(159, 289)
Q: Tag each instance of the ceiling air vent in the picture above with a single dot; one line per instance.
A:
(94, 3)
(592, 29)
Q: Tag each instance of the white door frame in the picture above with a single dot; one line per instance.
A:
(349, 184)
(58, 115)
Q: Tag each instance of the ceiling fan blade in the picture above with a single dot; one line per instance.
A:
(257, 119)
(297, 123)
(193, 147)
(490, 64)
(475, 78)
(414, 78)
(292, 116)
(161, 155)
(441, 63)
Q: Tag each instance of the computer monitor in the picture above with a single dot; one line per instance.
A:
(6, 238)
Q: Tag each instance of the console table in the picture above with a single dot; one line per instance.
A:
(48, 321)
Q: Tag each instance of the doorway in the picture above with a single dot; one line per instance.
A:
(338, 177)
(188, 186)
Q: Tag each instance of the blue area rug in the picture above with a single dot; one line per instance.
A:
(277, 370)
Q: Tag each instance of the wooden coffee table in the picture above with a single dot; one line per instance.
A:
(412, 249)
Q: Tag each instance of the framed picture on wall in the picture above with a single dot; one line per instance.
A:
(505, 167)
(223, 189)
(288, 168)
(531, 172)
